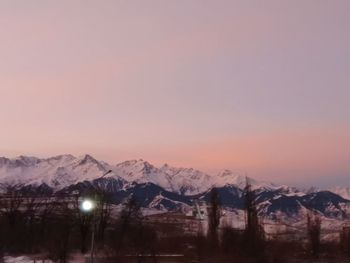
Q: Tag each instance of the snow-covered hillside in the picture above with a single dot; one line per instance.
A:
(64, 170)
(343, 191)
(140, 171)
(166, 188)
(57, 172)
(228, 177)
(186, 181)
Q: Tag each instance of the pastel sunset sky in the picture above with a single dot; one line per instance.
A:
(261, 87)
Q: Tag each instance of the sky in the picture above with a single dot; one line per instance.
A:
(260, 87)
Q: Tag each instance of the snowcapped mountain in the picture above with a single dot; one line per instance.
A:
(228, 177)
(140, 171)
(64, 170)
(56, 172)
(343, 191)
(167, 187)
(187, 180)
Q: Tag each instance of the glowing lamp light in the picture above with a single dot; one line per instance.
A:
(87, 205)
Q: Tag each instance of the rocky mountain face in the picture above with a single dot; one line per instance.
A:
(165, 188)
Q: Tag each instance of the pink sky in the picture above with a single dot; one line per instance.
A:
(259, 87)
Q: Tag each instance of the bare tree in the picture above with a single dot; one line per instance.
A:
(30, 209)
(314, 233)
(104, 214)
(214, 215)
(254, 231)
(131, 235)
(84, 221)
(60, 229)
(129, 216)
(10, 203)
(345, 240)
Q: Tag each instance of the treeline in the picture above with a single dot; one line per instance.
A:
(54, 227)
(228, 244)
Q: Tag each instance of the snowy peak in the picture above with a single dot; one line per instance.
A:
(136, 170)
(166, 187)
(63, 157)
(139, 164)
(57, 172)
(61, 171)
(187, 181)
(141, 171)
(343, 191)
(27, 160)
(228, 177)
(20, 161)
(88, 160)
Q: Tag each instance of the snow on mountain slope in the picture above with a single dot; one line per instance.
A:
(227, 177)
(64, 170)
(57, 172)
(343, 191)
(167, 188)
(140, 171)
(187, 181)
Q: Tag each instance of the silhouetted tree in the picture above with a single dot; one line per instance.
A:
(131, 235)
(60, 229)
(104, 214)
(314, 233)
(84, 222)
(345, 240)
(10, 203)
(214, 215)
(254, 231)
(129, 216)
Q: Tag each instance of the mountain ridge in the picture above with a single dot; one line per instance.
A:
(62, 170)
(164, 188)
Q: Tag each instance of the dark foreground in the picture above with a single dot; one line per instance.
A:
(56, 229)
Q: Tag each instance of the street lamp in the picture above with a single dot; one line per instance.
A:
(87, 206)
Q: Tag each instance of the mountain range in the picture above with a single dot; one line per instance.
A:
(166, 187)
